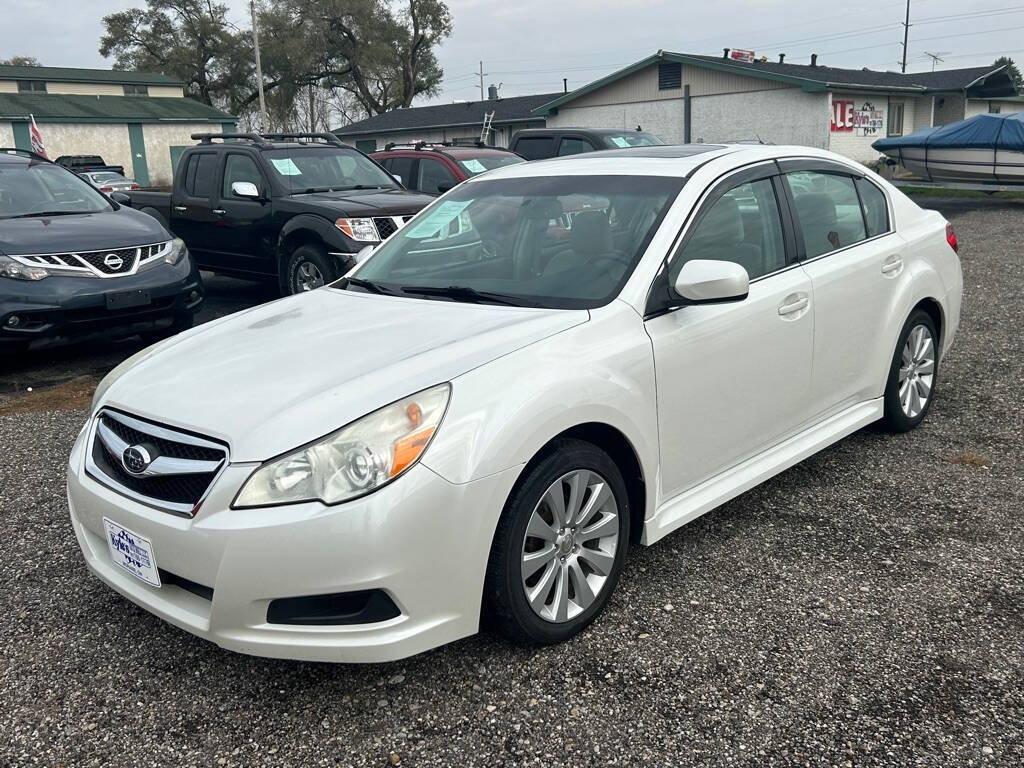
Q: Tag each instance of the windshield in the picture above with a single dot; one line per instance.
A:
(324, 169)
(561, 242)
(632, 139)
(476, 165)
(36, 188)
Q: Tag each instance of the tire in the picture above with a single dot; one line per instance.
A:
(915, 363)
(307, 267)
(181, 323)
(560, 561)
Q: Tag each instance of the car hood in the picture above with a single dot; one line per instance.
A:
(355, 203)
(120, 228)
(280, 375)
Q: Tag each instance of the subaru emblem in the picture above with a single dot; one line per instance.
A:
(136, 459)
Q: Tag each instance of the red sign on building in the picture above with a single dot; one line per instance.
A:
(737, 54)
(842, 116)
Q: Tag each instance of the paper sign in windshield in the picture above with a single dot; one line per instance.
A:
(474, 166)
(286, 167)
(618, 141)
(441, 216)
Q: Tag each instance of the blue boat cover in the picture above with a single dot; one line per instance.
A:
(981, 132)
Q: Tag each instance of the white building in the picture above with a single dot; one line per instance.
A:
(139, 120)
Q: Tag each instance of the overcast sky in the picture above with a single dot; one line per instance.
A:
(530, 45)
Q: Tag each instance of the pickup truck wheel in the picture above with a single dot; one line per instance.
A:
(308, 268)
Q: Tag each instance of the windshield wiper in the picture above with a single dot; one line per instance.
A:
(465, 293)
(368, 285)
(40, 214)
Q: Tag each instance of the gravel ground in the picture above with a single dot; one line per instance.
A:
(864, 608)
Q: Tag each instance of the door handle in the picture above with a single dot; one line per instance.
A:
(181, 207)
(892, 265)
(218, 211)
(795, 302)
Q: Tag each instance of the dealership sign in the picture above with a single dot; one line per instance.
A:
(847, 118)
(738, 54)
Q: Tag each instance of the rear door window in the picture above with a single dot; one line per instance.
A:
(200, 174)
(572, 145)
(828, 211)
(535, 147)
(403, 167)
(434, 177)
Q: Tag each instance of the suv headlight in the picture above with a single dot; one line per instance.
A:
(357, 459)
(176, 251)
(18, 271)
(358, 229)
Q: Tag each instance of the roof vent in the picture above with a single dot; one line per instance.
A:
(782, 58)
(725, 55)
(492, 92)
(814, 59)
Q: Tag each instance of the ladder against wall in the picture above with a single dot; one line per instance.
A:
(486, 130)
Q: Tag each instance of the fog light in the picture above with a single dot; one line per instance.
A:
(193, 296)
(13, 321)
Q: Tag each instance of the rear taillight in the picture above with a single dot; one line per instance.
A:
(951, 238)
(135, 186)
(108, 190)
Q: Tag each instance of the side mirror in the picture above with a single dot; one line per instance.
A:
(398, 177)
(121, 198)
(363, 254)
(245, 189)
(703, 281)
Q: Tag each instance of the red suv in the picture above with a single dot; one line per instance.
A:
(433, 169)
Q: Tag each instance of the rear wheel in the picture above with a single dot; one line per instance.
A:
(560, 545)
(913, 374)
(308, 268)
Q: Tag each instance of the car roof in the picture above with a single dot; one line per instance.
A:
(454, 151)
(588, 131)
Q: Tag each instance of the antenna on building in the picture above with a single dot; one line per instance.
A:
(936, 57)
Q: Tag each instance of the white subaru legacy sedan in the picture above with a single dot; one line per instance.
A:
(554, 361)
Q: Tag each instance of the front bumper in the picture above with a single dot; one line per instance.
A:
(422, 540)
(60, 306)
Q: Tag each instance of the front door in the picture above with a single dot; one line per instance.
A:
(243, 239)
(733, 378)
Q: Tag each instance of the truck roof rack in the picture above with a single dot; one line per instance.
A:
(437, 144)
(329, 138)
(29, 152)
(207, 138)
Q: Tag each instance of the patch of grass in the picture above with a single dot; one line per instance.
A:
(940, 192)
(971, 459)
(71, 395)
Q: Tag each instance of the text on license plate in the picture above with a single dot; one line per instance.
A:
(131, 552)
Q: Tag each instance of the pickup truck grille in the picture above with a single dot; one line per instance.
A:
(106, 263)
(388, 225)
(170, 470)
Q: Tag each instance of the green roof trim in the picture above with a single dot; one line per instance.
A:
(78, 75)
(62, 108)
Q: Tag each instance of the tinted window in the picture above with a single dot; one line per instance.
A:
(573, 146)
(559, 241)
(743, 226)
(876, 212)
(199, 179)
(402, 167)
(827, 211)
(535, 147)
(632, 139)
(240, 168)
(434, 177)
(35, 187)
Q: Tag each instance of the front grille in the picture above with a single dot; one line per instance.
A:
(180, 469)
(386, 226)
(112, 262)
(107, 263)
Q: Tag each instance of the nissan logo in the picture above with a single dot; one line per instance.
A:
(113, 261)
(136, 459)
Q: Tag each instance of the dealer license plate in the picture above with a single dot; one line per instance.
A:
(132, 552)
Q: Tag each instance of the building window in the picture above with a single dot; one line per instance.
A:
(994, 109)
(29, 86)
(366, 145)
(670, 76)
(896, 118)
(135, 90)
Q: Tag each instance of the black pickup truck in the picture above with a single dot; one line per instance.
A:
(87, 163)
(297, 207)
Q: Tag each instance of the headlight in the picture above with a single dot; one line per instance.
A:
(358, 229)
(176, 252)
(18, 271)
(353, 461)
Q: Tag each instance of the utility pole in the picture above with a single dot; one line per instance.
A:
(481, 74)
(312, 111)
(906, 34)
(259, 69)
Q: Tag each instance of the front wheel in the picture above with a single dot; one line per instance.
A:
(560, 545)
(308, 268)
(913, 374)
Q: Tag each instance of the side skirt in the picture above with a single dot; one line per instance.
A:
(691, 504)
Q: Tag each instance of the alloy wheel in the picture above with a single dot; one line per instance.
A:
(917, 371)
(570, 544)
(308, 276)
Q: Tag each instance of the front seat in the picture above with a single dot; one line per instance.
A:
(720, 237)
(589, 238)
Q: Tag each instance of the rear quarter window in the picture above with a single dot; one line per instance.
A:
(535, 147)
(876, 210)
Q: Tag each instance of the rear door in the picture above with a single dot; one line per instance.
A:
(853, 258)
(192, 203)
(733, 378)
(242, 236)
